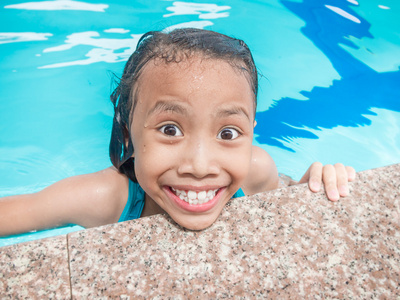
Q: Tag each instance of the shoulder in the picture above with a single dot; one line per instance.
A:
(94, 199)
(263, 174)
(108, 193)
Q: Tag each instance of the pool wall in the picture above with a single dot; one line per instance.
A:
(286, 243)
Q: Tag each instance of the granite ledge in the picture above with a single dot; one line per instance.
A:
(35, 270)
(287, 243)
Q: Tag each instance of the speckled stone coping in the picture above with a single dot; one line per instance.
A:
(35, 270)
(287, 243)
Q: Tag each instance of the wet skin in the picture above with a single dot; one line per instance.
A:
(192, 130)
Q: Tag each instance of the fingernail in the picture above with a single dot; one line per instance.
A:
(333, 195)
(315, 186)
(344, 190)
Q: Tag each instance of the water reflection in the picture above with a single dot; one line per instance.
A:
(104, 49)
(106, 46)
(59, 5)
(330, 24)
(16, 37)
(203, 10)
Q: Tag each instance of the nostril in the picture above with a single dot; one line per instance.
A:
(198, 161)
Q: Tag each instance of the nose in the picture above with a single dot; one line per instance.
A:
(199, 159)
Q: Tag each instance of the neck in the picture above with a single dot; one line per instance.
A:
(151, 207)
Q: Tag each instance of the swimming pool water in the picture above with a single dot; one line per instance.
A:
(329, 90)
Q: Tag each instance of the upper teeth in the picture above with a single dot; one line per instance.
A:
(193, 197)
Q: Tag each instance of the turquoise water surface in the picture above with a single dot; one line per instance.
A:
(329, 89)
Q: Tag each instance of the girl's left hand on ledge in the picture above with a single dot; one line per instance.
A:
(334, 177)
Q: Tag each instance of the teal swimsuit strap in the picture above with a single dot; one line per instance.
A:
(238, 194)
(135, 203)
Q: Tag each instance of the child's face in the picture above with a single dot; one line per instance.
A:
(192, 134)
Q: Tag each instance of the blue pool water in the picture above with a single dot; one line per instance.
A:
(330, 89)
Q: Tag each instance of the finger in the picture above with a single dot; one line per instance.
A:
(329, 178)
(306, 176)
(351, 173)
(342, 180)
(315, 176)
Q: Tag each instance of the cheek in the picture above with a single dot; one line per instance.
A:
(151, 161)
(238, 163)
(146, 171)
(144, 161)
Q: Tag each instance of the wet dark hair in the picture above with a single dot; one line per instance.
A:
(171, 47)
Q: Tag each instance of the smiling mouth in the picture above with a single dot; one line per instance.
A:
(195, 198)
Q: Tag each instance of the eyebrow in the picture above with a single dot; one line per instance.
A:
(168, 106)
(234, 110)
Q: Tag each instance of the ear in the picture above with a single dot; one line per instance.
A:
(126, 136)
(128, 141)
(254, 123)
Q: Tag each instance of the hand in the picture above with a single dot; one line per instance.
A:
(335, 178)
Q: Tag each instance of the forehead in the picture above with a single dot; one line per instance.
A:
(192, 74)
(192, 65)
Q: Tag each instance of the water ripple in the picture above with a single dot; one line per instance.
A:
(204, 10)
(59, 5)
(16, 37)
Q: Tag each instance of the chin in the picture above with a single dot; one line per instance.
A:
(196, 223)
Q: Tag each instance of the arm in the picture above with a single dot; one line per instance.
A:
(263, 174)
(87, 200)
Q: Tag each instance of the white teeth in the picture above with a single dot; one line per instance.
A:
(202, 195)
(194, 198)
(192, 195)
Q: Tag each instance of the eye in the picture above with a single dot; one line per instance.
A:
(228, 134)
(171, 130)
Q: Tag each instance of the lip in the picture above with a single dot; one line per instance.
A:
(198, 208)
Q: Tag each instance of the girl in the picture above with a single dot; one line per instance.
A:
(181, 142)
